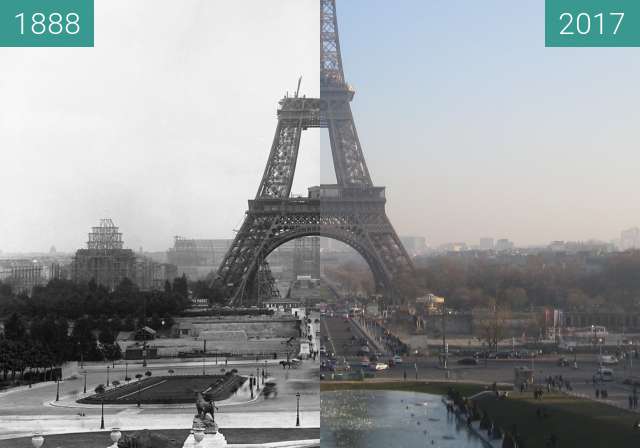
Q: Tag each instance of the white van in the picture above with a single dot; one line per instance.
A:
(608, 360)
(603, 374)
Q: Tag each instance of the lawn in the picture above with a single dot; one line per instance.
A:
(234, 436)
(576, 422)
(170, 390)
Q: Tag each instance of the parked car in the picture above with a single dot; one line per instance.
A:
(603, 374)
(397, 360)
(563, 362)
(468, 362)
(608, 360)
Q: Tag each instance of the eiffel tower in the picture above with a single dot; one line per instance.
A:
(351, 211)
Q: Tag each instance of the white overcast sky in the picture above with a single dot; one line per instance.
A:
(165, 126)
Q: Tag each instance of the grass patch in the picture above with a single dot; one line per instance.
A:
(575, 421)
(170, 390)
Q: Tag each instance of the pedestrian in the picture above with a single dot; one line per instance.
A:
(405, 375)
(630, 402)
(597, 393)
(635, 402)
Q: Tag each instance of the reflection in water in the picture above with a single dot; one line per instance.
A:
(372, 419)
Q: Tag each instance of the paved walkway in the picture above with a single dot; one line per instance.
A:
(24, 411)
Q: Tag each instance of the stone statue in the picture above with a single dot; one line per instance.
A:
(146, 439)
(206, 415)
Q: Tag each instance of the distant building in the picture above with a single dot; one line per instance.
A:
(197, 258)
(503, 245)
(107, 262)
(104, 260)
(630, 239)
(487, 244)
(454, 247)
(306, 256)
(22, 275)
(431, 303)
(414, 245)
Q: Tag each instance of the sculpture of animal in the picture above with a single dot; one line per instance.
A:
(203, 406)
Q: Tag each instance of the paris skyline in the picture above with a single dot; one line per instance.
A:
(479, 137)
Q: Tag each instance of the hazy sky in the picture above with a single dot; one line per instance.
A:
(475, 128)
(479, 130)
(165, 126)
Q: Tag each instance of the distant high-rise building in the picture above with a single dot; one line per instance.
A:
(630, 239)
(414, 245)
(503, 245)
(486, 244)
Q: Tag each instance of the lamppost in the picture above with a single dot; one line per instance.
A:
(444, 335)
(85, 381)
(102, 413)
(251, 384)
(57, 388)
(126, 369)
(257, 379)
(298, 409)
(107, 376)
(144, 332)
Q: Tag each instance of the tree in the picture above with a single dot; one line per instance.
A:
(180, 286)
(492, 326)
(14, 328)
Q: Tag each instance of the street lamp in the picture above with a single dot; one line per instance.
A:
(57, 388)
(102, 413)
(257, 379)
(298, 409)
(107, 376)
(251, 384)
(85, 381)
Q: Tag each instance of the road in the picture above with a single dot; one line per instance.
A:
(24, 411)
(339, 333)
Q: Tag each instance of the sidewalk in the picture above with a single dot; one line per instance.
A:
(23, 426)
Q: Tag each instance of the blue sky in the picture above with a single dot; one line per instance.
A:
(479, 130)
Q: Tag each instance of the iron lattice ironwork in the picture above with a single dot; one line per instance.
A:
(351, 211)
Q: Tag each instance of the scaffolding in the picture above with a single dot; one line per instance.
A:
(106, 236)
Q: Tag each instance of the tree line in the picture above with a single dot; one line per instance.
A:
(64, 321)
(521, 282)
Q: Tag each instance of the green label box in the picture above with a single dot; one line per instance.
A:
(46, 23)
(592, 23)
